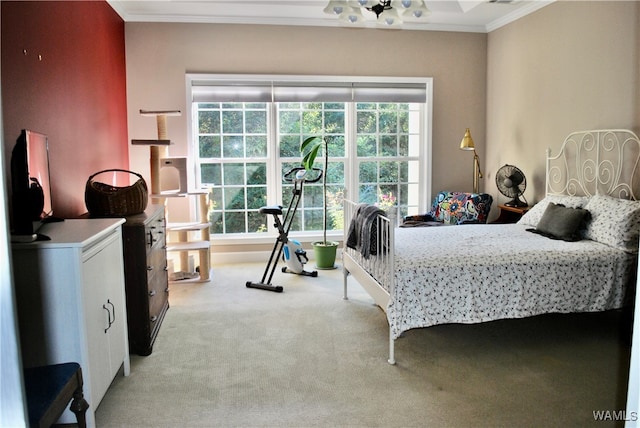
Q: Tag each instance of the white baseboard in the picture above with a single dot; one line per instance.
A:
(240, 257)
(252, 257)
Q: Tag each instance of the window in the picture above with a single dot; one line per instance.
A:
(246, 133)
(233, 163)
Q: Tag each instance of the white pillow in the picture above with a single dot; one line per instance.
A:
(533, 216)
(614, 222)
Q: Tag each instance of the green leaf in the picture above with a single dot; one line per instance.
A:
(309, 159)
(308, 142)
(309, 150)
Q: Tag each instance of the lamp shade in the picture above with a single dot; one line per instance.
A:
(335, 7)
(367, 3)
(467, 141)
(411, 8)
(352, 15)
(390, 18)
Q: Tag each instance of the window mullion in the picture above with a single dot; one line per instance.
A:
(424, 183)
(274, 163)
(351, 180)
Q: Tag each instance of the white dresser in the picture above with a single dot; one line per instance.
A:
(71, 302)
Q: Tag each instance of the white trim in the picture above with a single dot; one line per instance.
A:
(261, 256)
(517, 14)
(427, 177)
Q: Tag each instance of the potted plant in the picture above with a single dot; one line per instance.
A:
(324, 251)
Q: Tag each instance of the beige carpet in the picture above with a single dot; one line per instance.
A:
(229, 356)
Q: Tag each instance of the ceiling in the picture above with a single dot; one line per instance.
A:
(480, 16)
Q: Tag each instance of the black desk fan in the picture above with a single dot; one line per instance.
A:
(511, 182)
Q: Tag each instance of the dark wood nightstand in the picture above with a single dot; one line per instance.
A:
(510, 214)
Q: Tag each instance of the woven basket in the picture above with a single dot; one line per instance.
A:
(105, 200)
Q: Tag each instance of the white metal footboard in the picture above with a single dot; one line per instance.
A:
(376, 273)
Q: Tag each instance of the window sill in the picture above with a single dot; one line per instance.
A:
(246, 239)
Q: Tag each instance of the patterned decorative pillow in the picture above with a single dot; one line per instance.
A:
(533, 216)
(461, 207)
(614, 222)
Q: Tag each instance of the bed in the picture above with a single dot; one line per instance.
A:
(425, 276)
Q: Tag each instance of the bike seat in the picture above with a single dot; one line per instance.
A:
(272, 209)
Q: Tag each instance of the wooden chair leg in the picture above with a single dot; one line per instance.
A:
(79, 405)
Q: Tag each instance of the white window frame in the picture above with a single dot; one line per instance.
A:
(351, 178)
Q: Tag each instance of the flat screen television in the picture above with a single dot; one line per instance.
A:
(30, 183)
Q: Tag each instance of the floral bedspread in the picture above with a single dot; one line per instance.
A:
(479, 273)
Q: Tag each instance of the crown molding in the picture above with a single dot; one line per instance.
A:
(119, 7)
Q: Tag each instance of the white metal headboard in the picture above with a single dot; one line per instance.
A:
(601, 161)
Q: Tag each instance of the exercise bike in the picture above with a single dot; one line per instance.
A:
(294, 256)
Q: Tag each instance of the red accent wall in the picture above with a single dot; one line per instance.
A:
(64, 75)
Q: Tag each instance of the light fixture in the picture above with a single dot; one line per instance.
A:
(378, 7)
(388, 13)
(351, 15)
(467, 144)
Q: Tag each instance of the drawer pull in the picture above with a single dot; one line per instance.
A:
(153, 318)
(152, 293)
(166, 268)
(149, 268)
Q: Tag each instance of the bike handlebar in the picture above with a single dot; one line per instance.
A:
(292, 175)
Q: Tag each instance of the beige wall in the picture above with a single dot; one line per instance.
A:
(570, 66)
(159, 55)
(522, 88)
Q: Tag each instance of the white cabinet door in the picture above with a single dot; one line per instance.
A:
(105, 311)
(113, 279)
(96, 323)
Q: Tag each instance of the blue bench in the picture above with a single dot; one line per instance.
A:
(49, 390)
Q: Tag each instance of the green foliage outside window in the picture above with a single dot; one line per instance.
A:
(236, 154)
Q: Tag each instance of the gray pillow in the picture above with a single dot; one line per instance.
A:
(560, 222)
(533, 216)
